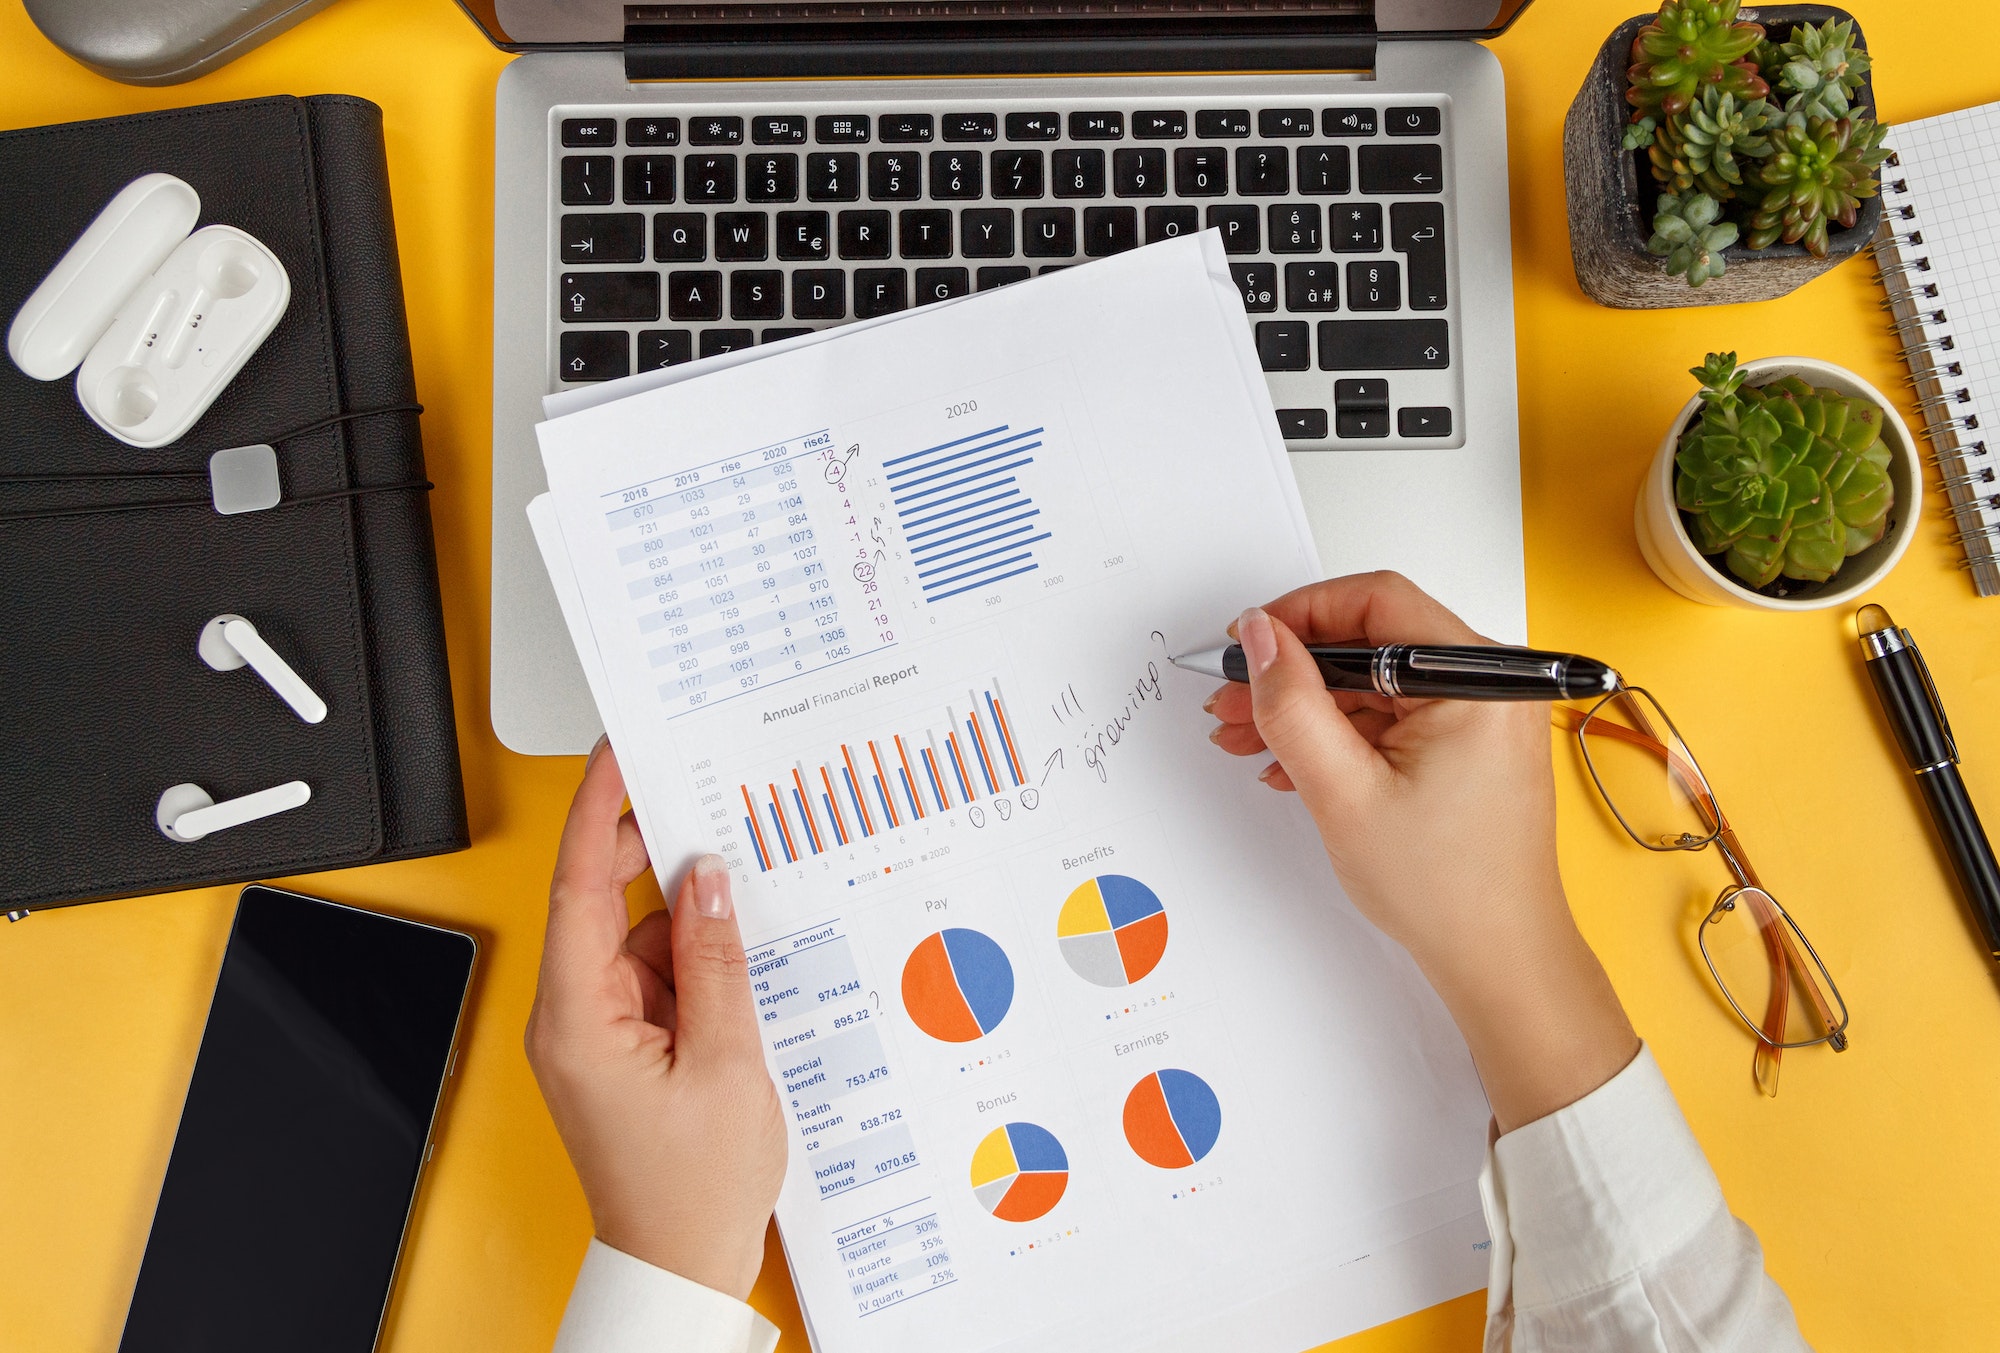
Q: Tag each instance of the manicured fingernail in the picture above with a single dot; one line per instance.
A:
(603, 741)
(1208, 705)
(1215, 734)
(1268, 771)
(1260, 642)
(711, 887)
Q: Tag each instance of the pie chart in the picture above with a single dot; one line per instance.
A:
(1112, 930)
(1172, 1119)
(957, 985)
(1019, 1172)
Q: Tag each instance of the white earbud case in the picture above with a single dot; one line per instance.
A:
(159, 319)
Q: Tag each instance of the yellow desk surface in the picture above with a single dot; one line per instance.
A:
(1872, 1179)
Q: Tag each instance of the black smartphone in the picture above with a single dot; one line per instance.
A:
(308, 1120)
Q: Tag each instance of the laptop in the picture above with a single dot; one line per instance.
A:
(676, 181)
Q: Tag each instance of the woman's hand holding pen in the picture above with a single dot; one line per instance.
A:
(644, 1041)
(1439, 817)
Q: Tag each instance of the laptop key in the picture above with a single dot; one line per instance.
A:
(603, 237)
(1368, 392)
(957, 175)
(1357, 227)
(742, 237)
(1033, 127)
(715, 342)
(693, 296)
(1167, 124)
(905, 128)
(1361, 422)
(819, 293)
(1110, 230)
(1139, 173)
(1413, 168)
(989, 278)
(941, 284)
(1347, 122)
(607, 297)
(767, 130)
(652, 131)
(880, 291)
(1416, 229)
(986, 232)
(1302, 425)
(715, 131)
(1424, 421)
(711, 178)
(924, 232)
(895, 175)
(1166, 223)
(802, 235)
(1413, 121)
(594, 355)
(1048, 232)
(1384, 345)
(1295, 228)
(1096, 126)
(971, 126)
(649, 179)
(1239, 226)
(589, 180)
(863, 234)
(757, 293)
(1262, 171)
(771, 178)
(589, 131)
(833, 176)
(1079, 173)
(680, 237)
(1323, 169)
(1282, 122)
(1017, 173)
(1200, 172)
(1312, 286)
(665, 347)
(1259, 284)
(780, 335)
(1284, 345)
(1375, 286)
(841, 129)
(1213, 124)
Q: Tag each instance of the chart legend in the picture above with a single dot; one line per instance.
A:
(1019, 1172)
(1172, 1119)
(958, 985)
(1113, 930)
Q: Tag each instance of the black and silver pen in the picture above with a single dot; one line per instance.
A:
(1436, 671)
(1902, 681)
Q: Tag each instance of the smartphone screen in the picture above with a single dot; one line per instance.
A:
(307, 1121)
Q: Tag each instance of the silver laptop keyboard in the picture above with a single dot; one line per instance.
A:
(684, 234)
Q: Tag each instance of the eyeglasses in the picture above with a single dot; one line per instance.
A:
(1760, 959)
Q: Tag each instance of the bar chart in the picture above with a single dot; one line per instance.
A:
(878, 784)
(965, 512)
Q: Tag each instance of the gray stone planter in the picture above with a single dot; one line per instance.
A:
(1611, 193)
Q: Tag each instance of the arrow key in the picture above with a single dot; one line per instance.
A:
(594, 355)
(1426, 421)
(1415, 169)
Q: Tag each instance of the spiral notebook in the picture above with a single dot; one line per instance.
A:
(1939, 252)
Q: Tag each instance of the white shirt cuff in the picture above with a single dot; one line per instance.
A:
(1594, 1192)
(625, 1305)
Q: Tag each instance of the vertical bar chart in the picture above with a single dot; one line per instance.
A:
(872, 785)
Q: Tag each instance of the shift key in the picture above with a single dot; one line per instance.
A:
(1384, 345)
(584, 297)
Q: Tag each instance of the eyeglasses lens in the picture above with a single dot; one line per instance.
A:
(1646, 774)
(1748, 940)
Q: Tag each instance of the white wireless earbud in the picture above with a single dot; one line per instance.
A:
(229, 641)
(188, 813)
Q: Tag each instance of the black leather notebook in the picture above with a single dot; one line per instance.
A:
(104, 702)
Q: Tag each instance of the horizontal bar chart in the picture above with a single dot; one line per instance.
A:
(964, 512)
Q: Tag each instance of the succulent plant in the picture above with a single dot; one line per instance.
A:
(1639, 134)
(1719, 128)
(1820, 69)
(1782, 480)
(1692, 45)
(1689, 235)
(1816, 176)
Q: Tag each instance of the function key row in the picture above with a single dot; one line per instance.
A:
(1415, 169)
(1213, 124)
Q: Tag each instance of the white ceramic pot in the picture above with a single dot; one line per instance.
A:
(1663, 536)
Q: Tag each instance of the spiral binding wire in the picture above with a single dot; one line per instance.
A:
(1923, 335)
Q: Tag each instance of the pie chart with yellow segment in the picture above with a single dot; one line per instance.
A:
(1019, 1172)
(1113, 930)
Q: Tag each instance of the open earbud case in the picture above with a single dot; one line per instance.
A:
(159, 320)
